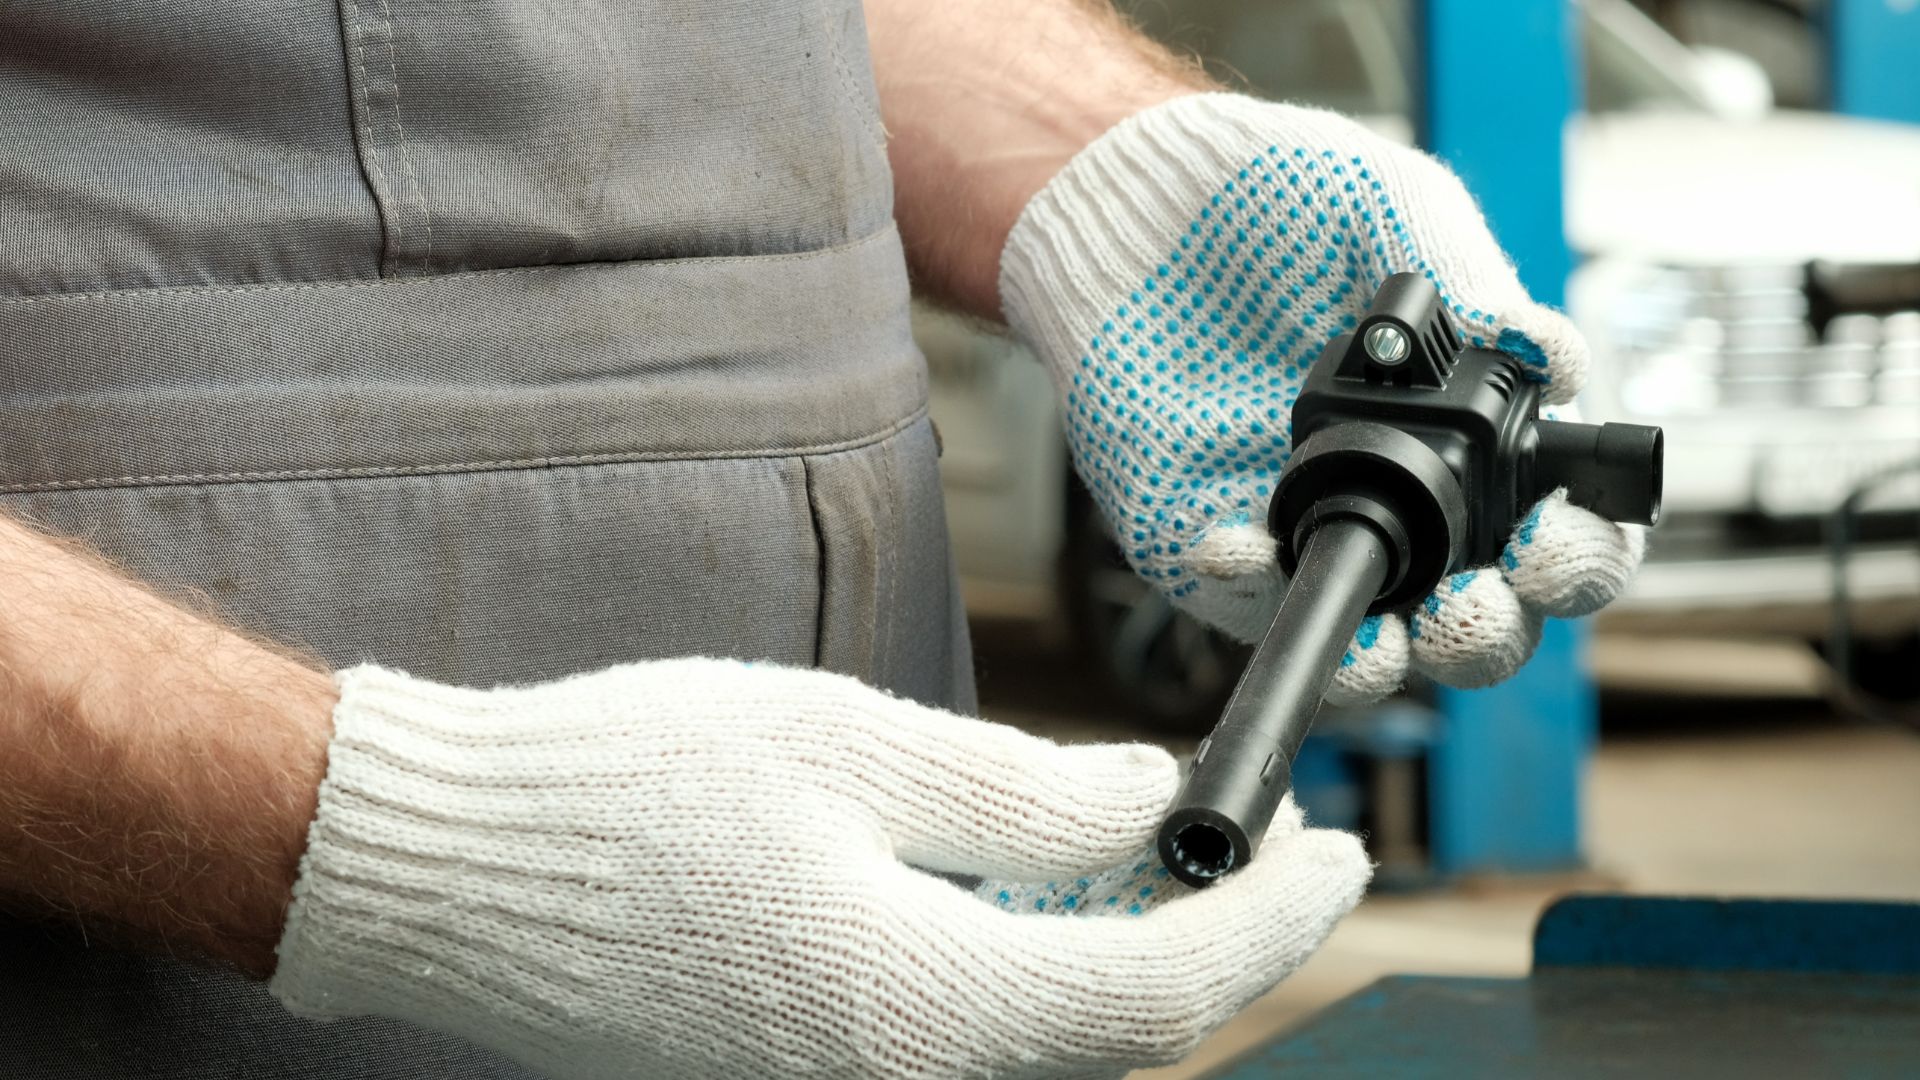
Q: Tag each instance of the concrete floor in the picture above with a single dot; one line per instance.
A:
(1702, 797)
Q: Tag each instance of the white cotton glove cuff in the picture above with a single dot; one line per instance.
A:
(423, 785)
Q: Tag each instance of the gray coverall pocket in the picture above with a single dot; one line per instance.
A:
(516, 574)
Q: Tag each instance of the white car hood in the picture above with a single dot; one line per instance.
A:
(1695, 189)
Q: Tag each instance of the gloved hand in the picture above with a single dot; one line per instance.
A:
(701, 868)
(1178, 278)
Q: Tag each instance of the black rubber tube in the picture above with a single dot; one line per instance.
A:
(1611, 469)
(1245, 767)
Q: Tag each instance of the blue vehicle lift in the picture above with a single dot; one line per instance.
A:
(1499, 80)
(1621, 986)
(1502, 767)
(1871, 50)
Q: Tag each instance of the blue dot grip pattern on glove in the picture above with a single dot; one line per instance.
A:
(1365, 637)
(1122, 890)
(1179, 411)
(1522, 538)
(1431, 605)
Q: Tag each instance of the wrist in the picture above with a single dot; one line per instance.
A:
(287, 766)
(982, 112)
(440, 808)
(161, 768)
(957, 258)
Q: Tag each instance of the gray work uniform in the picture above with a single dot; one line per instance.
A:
(493, 340)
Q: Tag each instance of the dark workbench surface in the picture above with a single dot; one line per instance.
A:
(1609, 1023)
(1645, 988)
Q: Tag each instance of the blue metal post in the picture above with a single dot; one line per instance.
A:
(1871, 50)
(1505, 774)
(1500, 78)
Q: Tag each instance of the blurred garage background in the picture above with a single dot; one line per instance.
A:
(1739, 182)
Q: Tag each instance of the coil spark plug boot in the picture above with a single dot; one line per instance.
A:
(1415, 457)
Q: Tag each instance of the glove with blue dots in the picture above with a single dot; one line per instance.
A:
(1178, 278)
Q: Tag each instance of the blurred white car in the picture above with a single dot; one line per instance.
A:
(1751, 282)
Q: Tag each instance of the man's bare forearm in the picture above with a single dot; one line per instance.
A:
(984, 101)
(157, 771)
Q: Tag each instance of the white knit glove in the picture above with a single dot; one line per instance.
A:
(1180, 276)
(702, 868)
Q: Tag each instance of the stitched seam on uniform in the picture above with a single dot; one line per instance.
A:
(369, 150)
(437, 279)
(490, 465)
(820, 561)
(884, 669)
(406, 152)
(861, 103)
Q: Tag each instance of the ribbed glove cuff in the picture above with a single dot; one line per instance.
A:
(1110, 212)
(420, 786)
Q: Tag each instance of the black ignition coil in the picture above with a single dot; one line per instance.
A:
(1414, 457)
